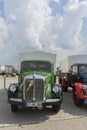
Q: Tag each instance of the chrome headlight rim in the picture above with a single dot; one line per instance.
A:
(84, 87)
(13, 88)
(55, 88)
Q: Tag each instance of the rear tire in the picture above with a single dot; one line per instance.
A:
(14, 108)
(65, 89)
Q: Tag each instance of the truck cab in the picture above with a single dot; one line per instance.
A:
(36, 87)
(78, 81)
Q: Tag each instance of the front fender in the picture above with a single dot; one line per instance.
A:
(16, 93)
(78, 89)
(48, 91)
(59, 94)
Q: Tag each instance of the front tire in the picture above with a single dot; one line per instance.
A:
(14, 108)
(78, 102)
(65, 89)
(56, 108)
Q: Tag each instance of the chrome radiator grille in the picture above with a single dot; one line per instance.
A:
(34, 90)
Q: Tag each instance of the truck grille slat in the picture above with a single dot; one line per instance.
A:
(29, 89)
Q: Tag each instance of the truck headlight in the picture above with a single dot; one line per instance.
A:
(84, 87)
(12, 88)
(55, 88)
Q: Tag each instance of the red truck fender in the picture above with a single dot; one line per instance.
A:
(78, 89)
(79, 92)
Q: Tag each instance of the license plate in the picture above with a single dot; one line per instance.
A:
(85, 101)
(27, 104)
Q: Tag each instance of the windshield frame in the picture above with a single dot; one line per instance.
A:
(36, 66)
(83, 69)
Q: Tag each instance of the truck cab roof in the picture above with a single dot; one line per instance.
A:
(79, 64)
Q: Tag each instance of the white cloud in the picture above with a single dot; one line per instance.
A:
(3, 33)
(64, 32)
(25, 21)
(28, 25)
(72, 5)
(29, 18)
(55, 1)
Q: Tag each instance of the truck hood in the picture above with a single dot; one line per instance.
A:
(35, 76)
(47, 76)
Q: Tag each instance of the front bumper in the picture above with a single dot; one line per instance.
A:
(48, 102)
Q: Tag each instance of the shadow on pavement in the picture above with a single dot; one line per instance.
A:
(29, 116)
(23, 116)
(69, 107)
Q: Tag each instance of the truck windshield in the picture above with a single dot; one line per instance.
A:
(83, 69)
(36, 66)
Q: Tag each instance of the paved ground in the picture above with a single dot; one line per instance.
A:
(68, 117)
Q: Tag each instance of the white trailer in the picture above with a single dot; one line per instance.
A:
(70, 60)
(6, 69)
(65, 67)
(38, 55)
(2, 69)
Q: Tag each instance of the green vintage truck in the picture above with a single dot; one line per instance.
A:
(36, 87)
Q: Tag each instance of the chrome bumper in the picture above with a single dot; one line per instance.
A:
(18, 101)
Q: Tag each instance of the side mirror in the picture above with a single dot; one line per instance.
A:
(70, 71)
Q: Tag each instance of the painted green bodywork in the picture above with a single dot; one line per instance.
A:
(49, 79)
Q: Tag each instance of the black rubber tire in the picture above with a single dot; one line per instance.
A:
(56, 108)
(77, 102)
(65, 89)
(14, 108)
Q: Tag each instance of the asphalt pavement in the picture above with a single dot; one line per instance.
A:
(69, 117)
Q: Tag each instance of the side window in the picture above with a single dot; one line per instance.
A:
(74, 70)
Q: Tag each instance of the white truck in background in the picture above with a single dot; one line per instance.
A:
(70, 60)
(74, 74)
(65, 68)
(6, 70)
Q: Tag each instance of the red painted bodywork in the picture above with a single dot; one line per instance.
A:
(64, 83)
(80, 93)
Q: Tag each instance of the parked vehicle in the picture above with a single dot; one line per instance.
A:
(6, 70)
(36, 85)
(75, 69)
(78, 81)
(65, 67)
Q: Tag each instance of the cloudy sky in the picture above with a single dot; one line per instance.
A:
(58, 26)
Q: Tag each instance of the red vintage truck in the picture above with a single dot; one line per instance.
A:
(76, 77)
(78, 80)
